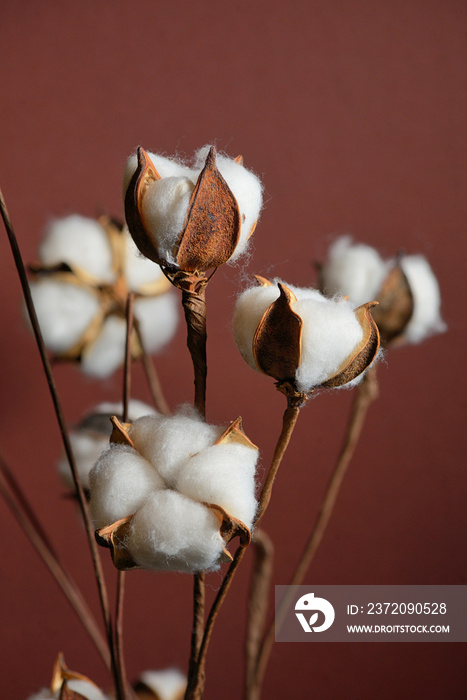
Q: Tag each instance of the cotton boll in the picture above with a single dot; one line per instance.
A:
(158, 318)
(168, 441)
(79, 242)
(426, 318)
(120, 483)
(172, 533)
(249, 310)
(223, 475)
(107, 352)
(64, 312)
(330, 333)
(356, 271)
(167, 684)
(164, 208)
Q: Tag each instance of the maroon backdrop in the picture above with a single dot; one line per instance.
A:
(354, 116)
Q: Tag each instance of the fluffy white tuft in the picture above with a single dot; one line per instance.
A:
(120, 482)
(426, 318)
(106, 353)
(173, 533)
(168, 441)
(354, 270)
(85, 688)
(158, 318)
(167, 684)
(249, 310)
(81, 243)
(225, 476)
(330, 332)
(91, 438)
(64, 312)
(164, 208)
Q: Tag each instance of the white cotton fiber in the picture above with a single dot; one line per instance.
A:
(164, 208)
(120, 482)
(246, 188)
(330, 333)
(158, 318)
(426, 318)
(64, 312)
(105, 354)
(354, 270)
(166, 167)
(86, 689)
(81, 243)
(140, 272)
(249, 310)
(168, 441)
(225, 476)
(167, 684)
(173, 533)
(91, 437)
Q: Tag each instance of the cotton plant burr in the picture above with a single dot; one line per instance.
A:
(406, 288)
(191, 219)
(171, 491)
(302, 339)
(90, 437)
(80, 288)
(69, 685)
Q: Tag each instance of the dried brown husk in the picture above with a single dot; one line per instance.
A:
(211, 229)
(395, 308)
(234, 434)
(364, 353)
(112, 297)
(61, 674)
(277, 341)
(113, 537)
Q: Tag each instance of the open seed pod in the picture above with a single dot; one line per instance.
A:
(302, 339)
(405, 287)
(71, 685)
(171, 491)
(80, 288)
(190, 220)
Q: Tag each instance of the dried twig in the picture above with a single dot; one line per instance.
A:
(102, 589)
(26, 518)
(367, 392)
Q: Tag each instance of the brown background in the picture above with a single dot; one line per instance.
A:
(353, 115)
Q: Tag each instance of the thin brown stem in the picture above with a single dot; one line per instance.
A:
(24, 515)
(288, 424)
(258, 601)
(195, 688)
(366, 393)
(127, 363)
(118, 640)
(154, 383)
(194, 306)
(103, 596)
(199, 601)
(119, 653)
